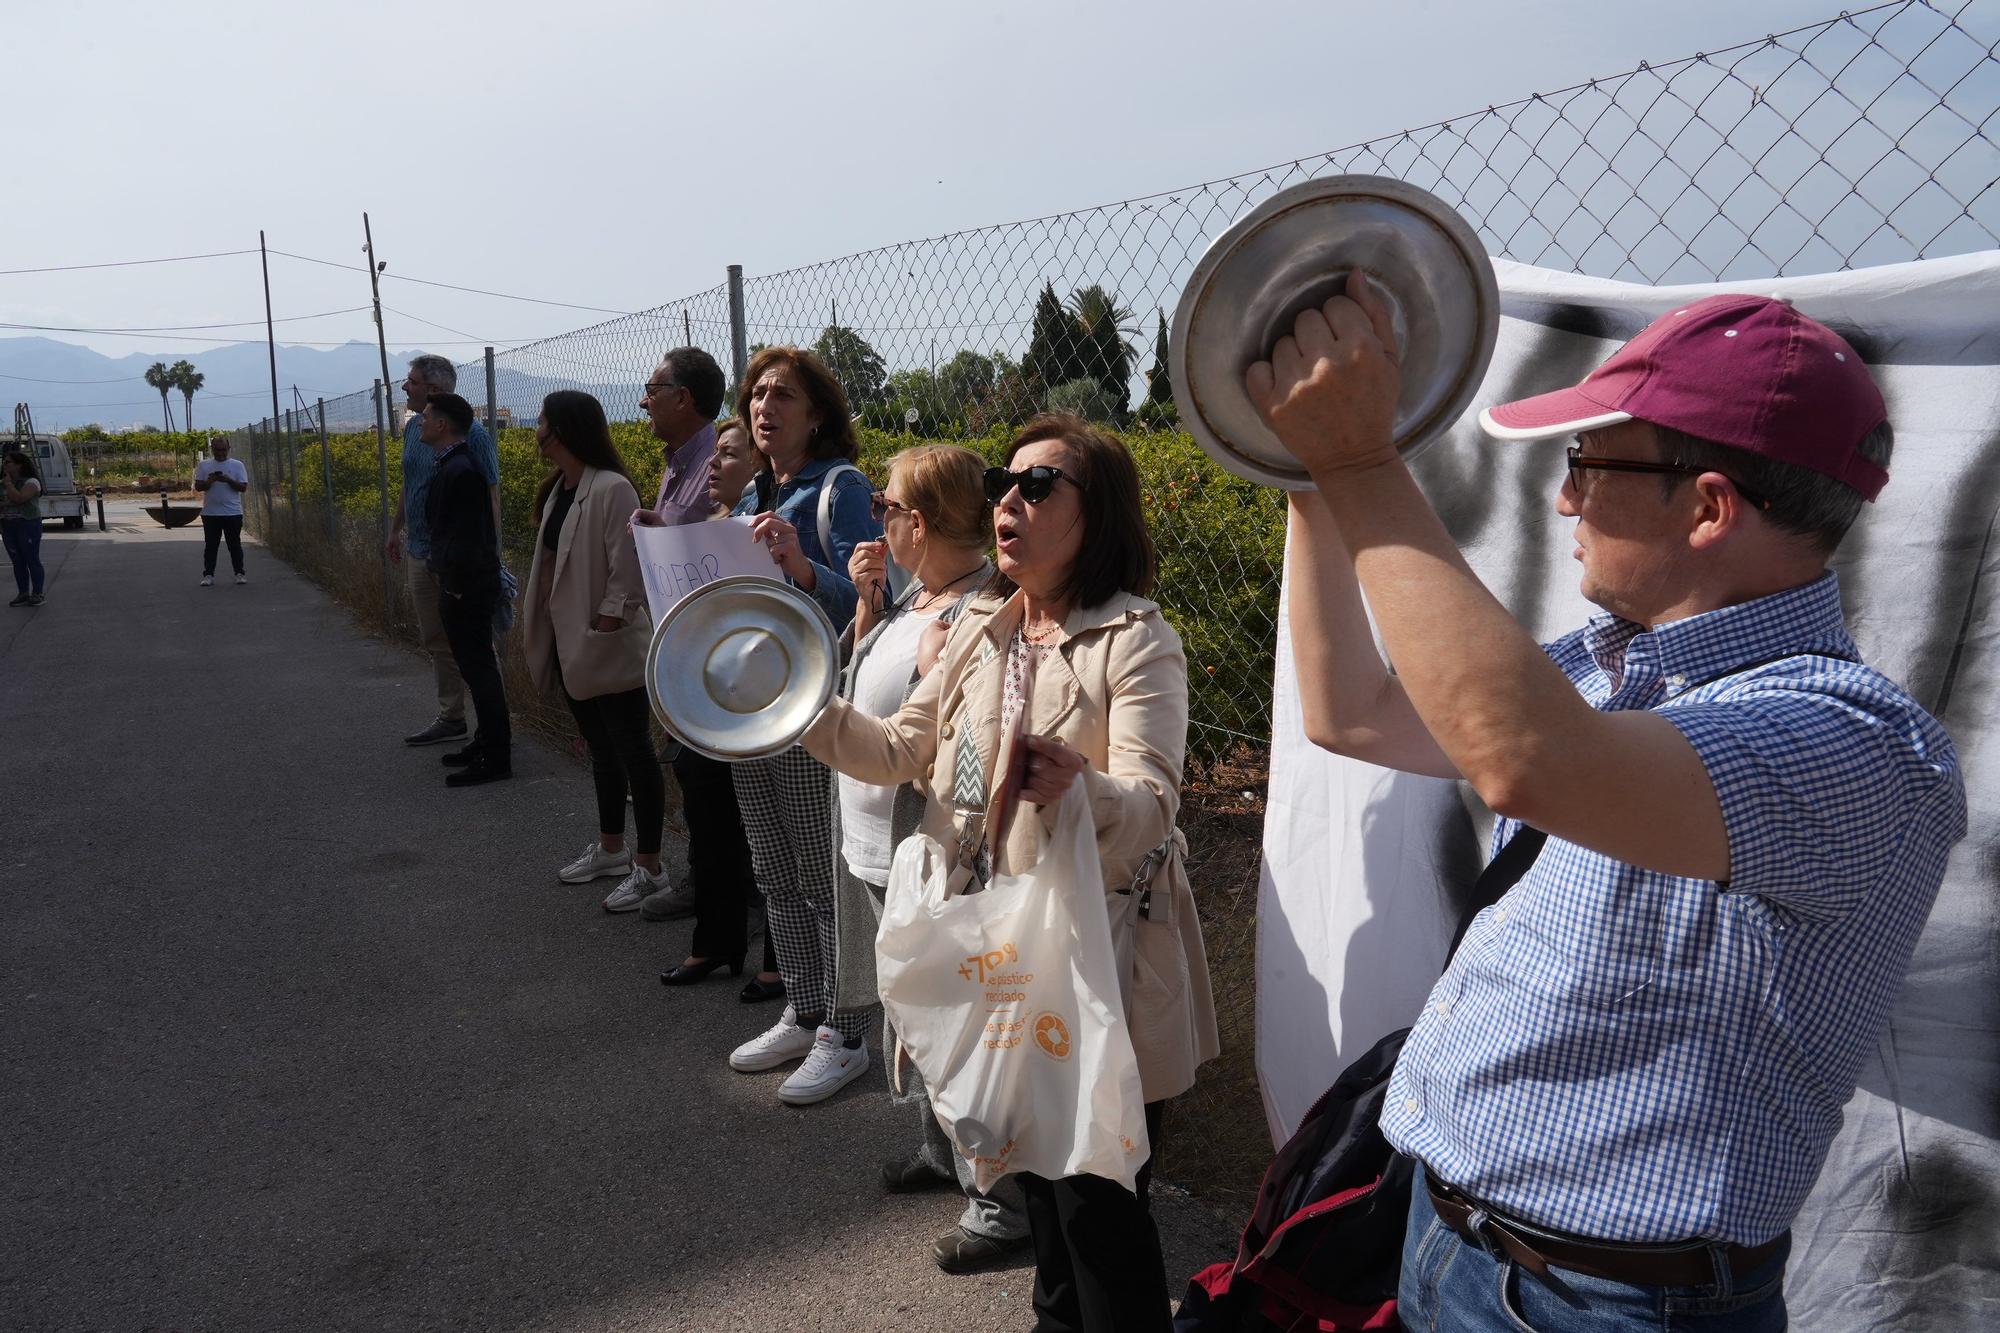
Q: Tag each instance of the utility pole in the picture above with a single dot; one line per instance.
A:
(381, 338)
(270, 335)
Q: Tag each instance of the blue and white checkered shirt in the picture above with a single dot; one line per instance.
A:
(1634, 1056)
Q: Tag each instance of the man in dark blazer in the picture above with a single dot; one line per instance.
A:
(465, 560)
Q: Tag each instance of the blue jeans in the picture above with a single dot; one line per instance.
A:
(23, 540)
(1451, 1285)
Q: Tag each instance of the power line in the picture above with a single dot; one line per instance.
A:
(290, 342)
(450, 286)
(30, 379)
(182, 328)
(123, 263)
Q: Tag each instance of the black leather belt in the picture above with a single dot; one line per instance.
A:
(1677, 1264)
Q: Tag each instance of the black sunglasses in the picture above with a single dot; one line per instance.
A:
(1035, 483)
(651, 389)
(1580, 463)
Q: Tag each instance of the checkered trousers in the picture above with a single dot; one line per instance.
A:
(787, 806)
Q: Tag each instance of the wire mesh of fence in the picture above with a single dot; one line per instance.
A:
(1866, 139)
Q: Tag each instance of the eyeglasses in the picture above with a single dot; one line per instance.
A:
(1035, 483)
(654, 390)
(879, 504)
(1580, 463)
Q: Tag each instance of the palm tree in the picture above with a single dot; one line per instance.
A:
(162, 379)
(188, 380)
(1108, 352)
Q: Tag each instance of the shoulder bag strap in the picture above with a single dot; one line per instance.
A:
(826, 509)
(1502, 873)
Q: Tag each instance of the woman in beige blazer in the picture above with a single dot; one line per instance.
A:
(1067, 634)
(585, 627)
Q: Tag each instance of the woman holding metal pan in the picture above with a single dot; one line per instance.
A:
(812, 508)
(1065, 636)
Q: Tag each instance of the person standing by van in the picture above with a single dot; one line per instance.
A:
(21, 524)
(221, 481)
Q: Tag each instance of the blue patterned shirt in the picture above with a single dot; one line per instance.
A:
(1636, 1056)
(420, 465)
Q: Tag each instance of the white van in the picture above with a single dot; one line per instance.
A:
(61, 497)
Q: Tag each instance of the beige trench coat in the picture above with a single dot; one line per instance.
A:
(594, 572)
(1115, 689)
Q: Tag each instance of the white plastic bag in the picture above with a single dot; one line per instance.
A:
(1008, 1001)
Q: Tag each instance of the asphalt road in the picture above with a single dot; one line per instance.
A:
(292, 1036)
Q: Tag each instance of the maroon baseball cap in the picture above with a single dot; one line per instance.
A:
(1747, 371)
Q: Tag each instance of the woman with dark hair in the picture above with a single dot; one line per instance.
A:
(585, 629)
(1065, 641)
(812, 508)
(21, 524)
(722, 900)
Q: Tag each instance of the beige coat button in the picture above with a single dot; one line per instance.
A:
(930, 771)
(945, 731)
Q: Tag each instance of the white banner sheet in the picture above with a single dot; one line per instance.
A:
(677, 560)
(1364, 868)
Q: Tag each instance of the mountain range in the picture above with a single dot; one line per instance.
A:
(67, 385)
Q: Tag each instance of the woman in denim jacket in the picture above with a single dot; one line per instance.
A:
(812, 508)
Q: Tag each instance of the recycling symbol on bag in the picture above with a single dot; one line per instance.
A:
(1052, 1035)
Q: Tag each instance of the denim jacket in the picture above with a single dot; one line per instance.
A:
(851, 522)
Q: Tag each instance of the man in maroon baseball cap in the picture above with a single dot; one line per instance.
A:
(1628, 1077)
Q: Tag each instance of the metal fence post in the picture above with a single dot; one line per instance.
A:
(739, 340)
(382, 496)
(326, 472)
(291, 471)
(491, 433)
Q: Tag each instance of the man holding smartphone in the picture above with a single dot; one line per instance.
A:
(221, 481)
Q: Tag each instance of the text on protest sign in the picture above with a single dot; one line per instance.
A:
(677, 560)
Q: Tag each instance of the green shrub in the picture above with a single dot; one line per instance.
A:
(1220, 538)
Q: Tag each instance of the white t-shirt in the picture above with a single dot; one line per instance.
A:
(865, 809)
(222, 499)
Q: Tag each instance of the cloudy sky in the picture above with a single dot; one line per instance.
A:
(619, 155)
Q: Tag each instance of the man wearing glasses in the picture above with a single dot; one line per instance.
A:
(411, 531)
(1624, 1085)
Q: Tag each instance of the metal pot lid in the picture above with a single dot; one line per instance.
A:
(740, 667)
(1295, 250)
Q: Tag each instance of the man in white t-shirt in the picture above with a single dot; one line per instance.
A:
(221, 481)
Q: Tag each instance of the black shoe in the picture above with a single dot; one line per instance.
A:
(443, 729)
(913, 1175)
(959, 1251)
(35, 599)
(22, 600)
(686, 974)
(473, 774)
(462, 758)
(756, 992)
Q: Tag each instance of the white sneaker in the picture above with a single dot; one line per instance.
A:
(632, 889)
(595, 863)
(241, 579)
(829, 1067)
(208, 580)
(782, 1041)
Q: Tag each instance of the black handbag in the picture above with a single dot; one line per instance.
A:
(1323, 1248)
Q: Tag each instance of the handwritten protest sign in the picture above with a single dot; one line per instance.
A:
(677, 560)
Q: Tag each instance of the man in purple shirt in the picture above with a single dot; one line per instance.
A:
(681, 399)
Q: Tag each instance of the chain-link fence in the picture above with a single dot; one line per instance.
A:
(1866, 139)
